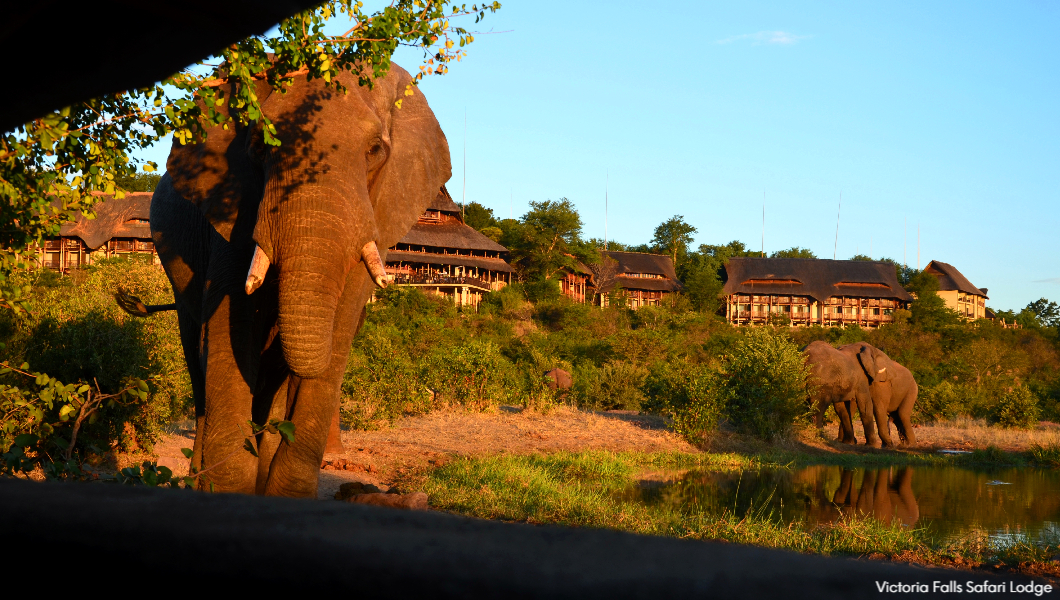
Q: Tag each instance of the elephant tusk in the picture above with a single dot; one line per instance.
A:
(370, 256)
(882, 370)
(258, 266)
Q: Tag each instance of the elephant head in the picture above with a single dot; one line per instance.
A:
(352, 174)
(875, 364)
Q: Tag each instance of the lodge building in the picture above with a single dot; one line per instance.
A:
(811, 292)
(121, 228)
(959, 293)
(443, 255)
(643, 279)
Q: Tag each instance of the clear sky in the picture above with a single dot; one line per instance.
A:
(942, 115)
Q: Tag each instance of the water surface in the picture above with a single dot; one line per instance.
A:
(1008, 504)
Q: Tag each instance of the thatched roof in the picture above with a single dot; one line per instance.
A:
(428, 258)
(444, 202)
(451, 234)
(113, 221)
(639, 262)
(819, 279)
(952, 279)
(617, 267)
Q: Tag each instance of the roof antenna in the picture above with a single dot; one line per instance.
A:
(763, 224)
(918, 246)
(905, 242)
(836, 246)
(607, 179)
(463, 196)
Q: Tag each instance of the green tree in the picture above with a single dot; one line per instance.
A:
(138, 182)
(862, 257)
(793, 252)
(547, 239)
(673, 237)
(929, 310)
(702, 273)
(1046, 313)
(478, 216)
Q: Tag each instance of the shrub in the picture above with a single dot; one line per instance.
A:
(474, 374)
(766, 384)
(381, 384)
(620, 386)
(1017, 409)
(76, 333)
(1046, 455)
(937, 403)
(691, 395)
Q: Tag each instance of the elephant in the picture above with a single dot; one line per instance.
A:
(886, 494)
(893, 390)
(838, 381)
(273, 251)
(559, 380)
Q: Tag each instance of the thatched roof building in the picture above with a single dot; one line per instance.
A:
(958, 292)
(444, 255)
(646, 279)
(811, 291)
(121, 226)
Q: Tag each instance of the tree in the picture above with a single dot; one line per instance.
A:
(702, 272)
(478, 216)
(547, 239)
(673, 237)
(50, 166)
(929, 310)
(139, 182)
(793, 252)
(1046, 313)
(861, 257)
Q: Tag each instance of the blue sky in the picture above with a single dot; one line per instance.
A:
(942, 115)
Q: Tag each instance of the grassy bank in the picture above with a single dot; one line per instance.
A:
(585, 489)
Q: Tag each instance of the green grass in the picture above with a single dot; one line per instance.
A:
(582, 489)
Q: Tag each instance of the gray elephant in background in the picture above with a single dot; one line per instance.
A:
(839, 382)
(893, 390)
(273, 252)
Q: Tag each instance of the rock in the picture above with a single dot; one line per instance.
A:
(413, 501)
(354, 488)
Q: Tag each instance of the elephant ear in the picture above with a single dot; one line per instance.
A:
(418, 164)
(217, 175)
(873, 362)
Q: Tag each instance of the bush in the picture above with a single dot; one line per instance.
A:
(76, 333)
(1017, 409)
(766, 384)
(474, 374)
(691, 395)
(381, 384)
(938, 403)
(1046, 455)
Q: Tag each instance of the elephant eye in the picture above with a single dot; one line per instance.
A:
(377, 153)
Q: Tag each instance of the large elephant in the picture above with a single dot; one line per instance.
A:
(838, 381)
(893, 391)
(273, 252)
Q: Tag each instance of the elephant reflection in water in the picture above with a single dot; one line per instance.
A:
(886, 494)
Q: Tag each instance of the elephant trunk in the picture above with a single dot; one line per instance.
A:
(314, 237)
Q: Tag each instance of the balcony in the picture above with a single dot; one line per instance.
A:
(417, 279)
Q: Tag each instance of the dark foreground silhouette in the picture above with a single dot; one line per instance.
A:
(215, 541)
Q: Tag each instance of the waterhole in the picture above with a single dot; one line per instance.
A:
(1008, 504)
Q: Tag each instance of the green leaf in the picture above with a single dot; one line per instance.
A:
(25, 440)
(286, 429)
(187, 452)
(140, 383)
(249, 447)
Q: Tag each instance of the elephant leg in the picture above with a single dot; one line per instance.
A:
(882, 425)
(822, 407)
(903, 420)
(846, 427)
(190, 330)
(842, 494)
(230, 359)
(868, 425)
(908, 510)
(295, 468)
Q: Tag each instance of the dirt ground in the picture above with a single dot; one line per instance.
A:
(378, 457)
